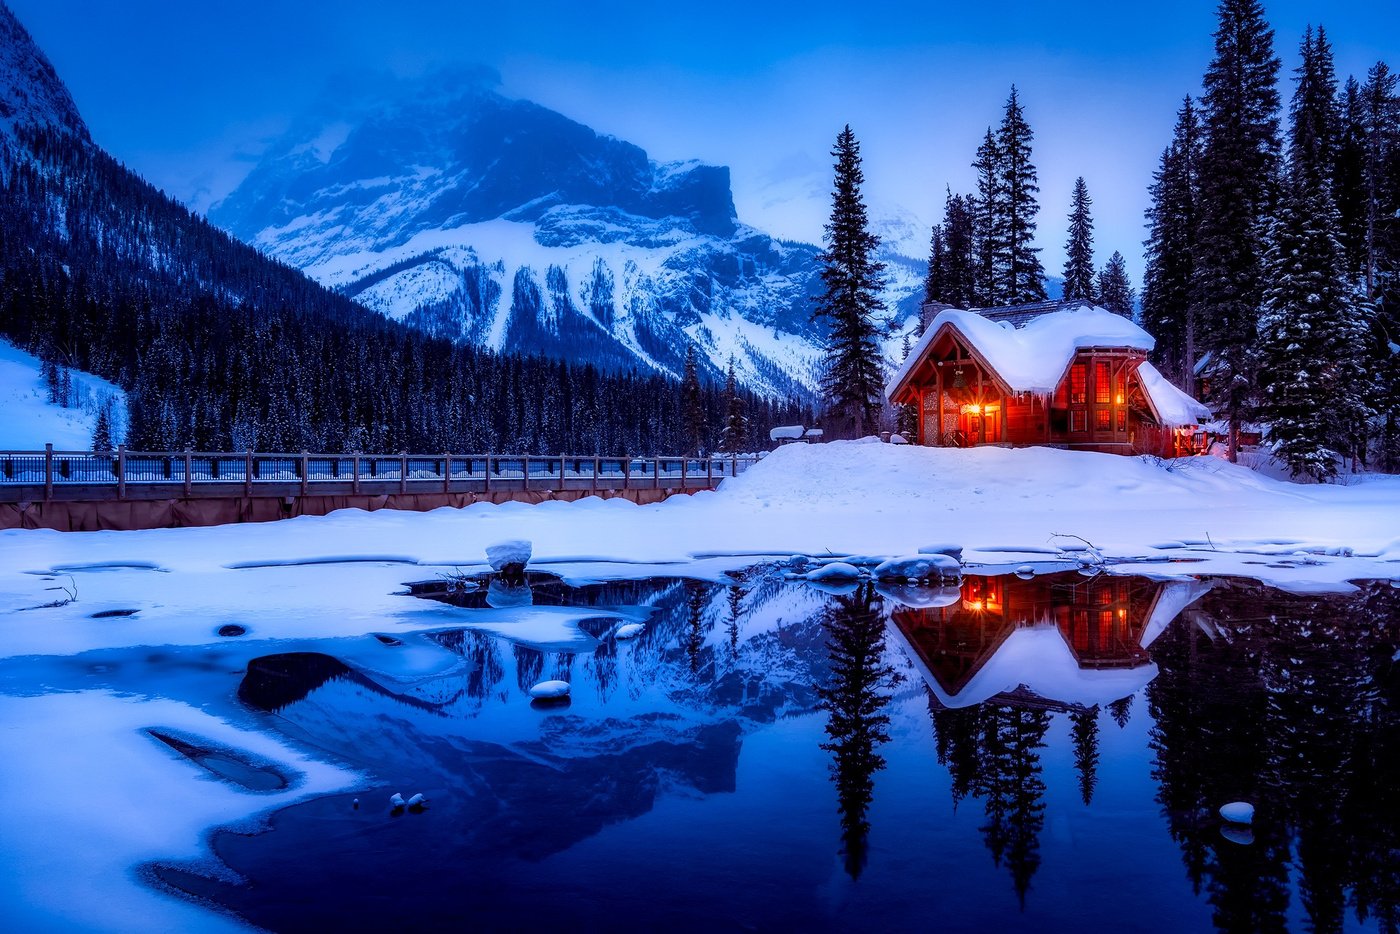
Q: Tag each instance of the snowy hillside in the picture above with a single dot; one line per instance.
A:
(30, 421)
(31, 93)
(507, 225)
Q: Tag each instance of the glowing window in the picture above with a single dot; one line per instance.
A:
(1078, 383)
(1102, 419)
(1078, 420)
(1103, 387)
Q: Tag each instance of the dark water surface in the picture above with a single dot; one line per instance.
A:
(1041, 755)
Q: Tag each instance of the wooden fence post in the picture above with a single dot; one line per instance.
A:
(447, 473)
(189, 468)
(597, 466)
(685, 464)
(305, 472)
(248, 473)
(121, 471)
(656, 473)
(486, 474)
(710, 472)
(403, 471)
(48, 472)
(626, 472)
(355, 476)
(562, 484)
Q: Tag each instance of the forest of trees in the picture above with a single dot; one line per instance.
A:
(1271, 262)
(220, 348)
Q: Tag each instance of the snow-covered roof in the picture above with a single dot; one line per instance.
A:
(1173, 407)
(1032, 358)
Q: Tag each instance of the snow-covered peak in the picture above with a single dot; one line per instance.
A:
(31, 93)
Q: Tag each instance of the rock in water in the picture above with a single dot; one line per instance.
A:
(835, 571)
(417, 802)
(1025, 572)
(396, 800)
(942, 548)
(630, 631)
(508, 555)
(550, 690)
(919, 568)
(1238, 812)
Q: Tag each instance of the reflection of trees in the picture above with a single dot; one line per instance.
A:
(1291, 706)
(735, 602)
(992, 752)
(1085, 730)
(1120, 710)
(529, 666)
(697, 596)
(855, 698)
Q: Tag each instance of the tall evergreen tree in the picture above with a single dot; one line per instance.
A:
(1238, 172)
(1313, 340)
(1085, 731)
(1168, 307)
(102, 429)
(1017, 264)
(935, 283)
(1380, 120)
(1115, 291)
(735, 432)
(692, 404)
(959, 252)
(1349, 175)
(852, 378)
(1313, 143)
(1079, 250)
(988, 221)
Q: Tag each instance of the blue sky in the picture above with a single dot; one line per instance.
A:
(189, 94)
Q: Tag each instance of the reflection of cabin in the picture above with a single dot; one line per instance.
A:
(1066, 374)
(1065, 637)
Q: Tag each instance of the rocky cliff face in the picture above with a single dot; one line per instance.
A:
(505, 224)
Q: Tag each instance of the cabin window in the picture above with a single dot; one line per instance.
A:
(1103, 388)
(1102, 419)
(1078, 420)
(1078, 388)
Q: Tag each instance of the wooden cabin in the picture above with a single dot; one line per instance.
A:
(1062, 374)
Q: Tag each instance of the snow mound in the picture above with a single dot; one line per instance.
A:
(835, 571)
(918, 568)
(504, 554)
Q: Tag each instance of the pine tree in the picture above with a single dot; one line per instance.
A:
(1079, 250)
(1238, 171)
(988, 221)
(960, 272)
(1314, 389)
(852, 378)
(102, 430)
(735, 423)
(692, 405)
(1018, 263)
(1085, 731)
(1168, 309)
(1115, 291)
(935, 283)
(1313, 144)
(1380, 255)
(1349, 175)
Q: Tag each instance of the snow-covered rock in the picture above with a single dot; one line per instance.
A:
(514, 552)
(918, 568)
(418, 801)
(942, 548)
(629, 631)
(396, 800)
(898, 438)
(550, 690)
(835, 571)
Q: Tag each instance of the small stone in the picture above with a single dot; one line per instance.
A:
(1238, 812)
(231, 629)
(550, 690)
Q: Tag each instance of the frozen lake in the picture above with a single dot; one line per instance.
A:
(1043, 754)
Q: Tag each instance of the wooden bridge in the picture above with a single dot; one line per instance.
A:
(121, 489)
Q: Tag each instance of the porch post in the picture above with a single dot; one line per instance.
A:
(938, 383)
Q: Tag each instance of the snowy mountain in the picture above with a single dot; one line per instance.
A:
(31, 94)
(501, 223)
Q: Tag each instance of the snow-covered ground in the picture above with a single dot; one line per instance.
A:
(81, 768)
(28, 420)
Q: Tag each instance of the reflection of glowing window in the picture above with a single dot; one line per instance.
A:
(1078, 420)
(1078, 378)
(1102, 387)
(1102, 419)
(1122, 419)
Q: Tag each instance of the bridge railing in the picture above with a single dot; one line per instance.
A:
(122, 474)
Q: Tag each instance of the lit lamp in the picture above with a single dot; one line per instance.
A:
(1118, 399)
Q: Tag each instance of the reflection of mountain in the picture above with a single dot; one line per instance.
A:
(1054, 640)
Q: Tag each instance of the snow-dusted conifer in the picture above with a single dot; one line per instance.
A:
(735, 423)
(1022, 279)
(1238, 187)
(1114, 290)
(1168, 311)
(1079, 250)
(852, 379)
